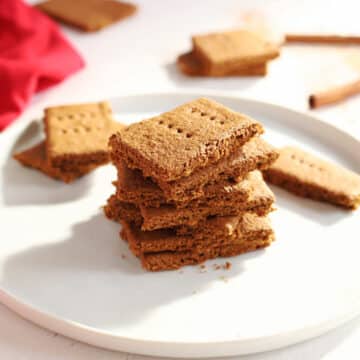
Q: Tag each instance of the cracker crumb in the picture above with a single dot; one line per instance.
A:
(227, 265)
(217, 267)
(202, 266)
(123, 256)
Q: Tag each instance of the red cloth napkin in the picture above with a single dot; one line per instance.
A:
(33, 56)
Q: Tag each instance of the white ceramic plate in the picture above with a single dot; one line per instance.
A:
(61, 265)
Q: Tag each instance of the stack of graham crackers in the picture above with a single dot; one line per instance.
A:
(76, 141)
(231, 53)
(189, 186)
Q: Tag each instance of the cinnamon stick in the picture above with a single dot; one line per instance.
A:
(334, 95)
(322, 39)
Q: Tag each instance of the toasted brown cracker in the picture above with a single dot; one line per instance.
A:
(118, 210)
(230, 201)
(176, 143)
(87, 15)
(78, 134)
(215, 232)
(35, 157)
(259, 201)
(203, 183)
(190, 65)
(222, 53)
(309, 176)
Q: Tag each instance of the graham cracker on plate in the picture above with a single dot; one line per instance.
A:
(87, 15)
(259, 199)
(223, 53)
(35, 157)
(309, 176)
(196, 249)
(118, 210)
(133, 187)
(176, 143)
(215, 232)
(78, 134)
(190, 65)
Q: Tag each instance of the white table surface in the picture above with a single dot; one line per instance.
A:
(138, 55)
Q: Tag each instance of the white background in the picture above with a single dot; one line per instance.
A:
(138, 55)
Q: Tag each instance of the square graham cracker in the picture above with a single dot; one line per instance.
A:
(190, 65)
(133, 187)
(229, 236)
(87, 15)
(259, 200)
(222, 53)
(176, 143)
(249, 195)
(309, 176)
(78, 134)
(215, 232)
(35, 157)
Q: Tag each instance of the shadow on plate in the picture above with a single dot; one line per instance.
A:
(105, 284)
(225, 83)
(315, 211)
(26, 186)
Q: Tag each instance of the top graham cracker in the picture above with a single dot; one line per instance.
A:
(172, 145)
(78, 132)
(228, 51)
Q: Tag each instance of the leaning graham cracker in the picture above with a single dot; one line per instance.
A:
(222, 53)
(176, 143)
(202, 183)
(78, 134)
(191, 66)
(35, 157)
(259, 200)
(216, 232)
(309, 176)
(87, 15)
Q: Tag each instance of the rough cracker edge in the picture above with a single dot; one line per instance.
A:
(138, 250)
(172, 192)
(195, 217)
(221, 148)
(311, 191)
(225, 253)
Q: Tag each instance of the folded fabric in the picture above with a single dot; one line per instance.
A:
(34, 55)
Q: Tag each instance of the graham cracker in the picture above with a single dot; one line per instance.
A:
(78, 134)
(35, 157)
(117, 210)
(190, 65)
(222, 53)
(215, 232)
(309, 176)
(259, 199)
(202, 183)
(87, 15)
(176, 143)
